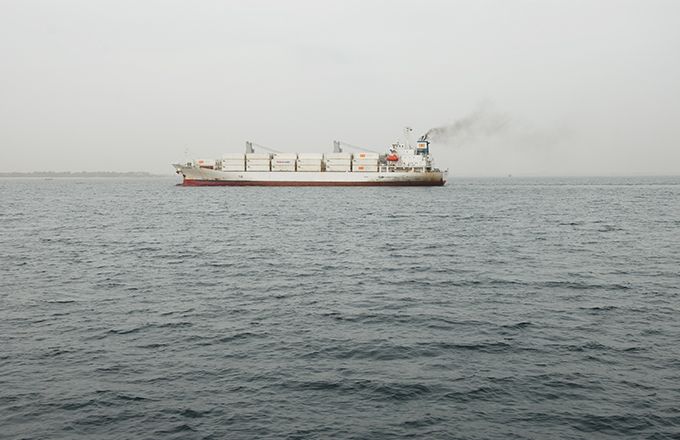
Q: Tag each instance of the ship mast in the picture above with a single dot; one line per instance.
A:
(407, 136)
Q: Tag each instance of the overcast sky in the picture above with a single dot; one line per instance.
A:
(585, 87)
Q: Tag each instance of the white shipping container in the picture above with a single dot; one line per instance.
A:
(314, 162)
(365, 168)
(257, 156)
(366, 156)
(284, 156)
(240, 167)
(338, 162)
(338, 168)
(276, 161)
(370, 163)
(340, 156)
(233, 156)
(258, 166)
(310, 156)
(306, 168)
(284, 169)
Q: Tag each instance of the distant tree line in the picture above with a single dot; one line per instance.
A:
(78, 174)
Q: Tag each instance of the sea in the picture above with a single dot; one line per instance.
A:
(490, 308)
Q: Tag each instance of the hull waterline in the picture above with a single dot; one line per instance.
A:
(193, 182)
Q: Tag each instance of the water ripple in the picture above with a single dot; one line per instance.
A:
(487, 309)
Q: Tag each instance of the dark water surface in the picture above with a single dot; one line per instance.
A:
(486, 309)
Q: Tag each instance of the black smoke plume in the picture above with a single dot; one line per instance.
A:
(483, 122)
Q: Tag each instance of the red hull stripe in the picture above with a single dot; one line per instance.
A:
(191, 182)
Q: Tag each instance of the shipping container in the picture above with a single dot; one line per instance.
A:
(366, 156)
(309, 162)
(234, 167)
(370, 163)
(338, 156)
(284, 156)
(338, 162)
(365, 168)
(258, 168)
(310, 156)
(233, 156)
(257, 156)
(338, 169)
(307, 168)
(277, 161)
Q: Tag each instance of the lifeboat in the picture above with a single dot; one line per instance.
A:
(392, 157)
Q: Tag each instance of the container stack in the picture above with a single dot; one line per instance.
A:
(284, 162)
(309, 162)
(338, 162)
(257, 162)
(205, 163)
(365, 162)
(233, 162)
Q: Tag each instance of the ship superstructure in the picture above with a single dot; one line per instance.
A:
(402, 165)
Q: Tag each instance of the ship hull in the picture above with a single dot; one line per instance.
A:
(191, 182)
(193, 176)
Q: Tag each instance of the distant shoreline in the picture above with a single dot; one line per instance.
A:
(62, 174)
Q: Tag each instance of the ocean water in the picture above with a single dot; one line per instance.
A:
(486, 309)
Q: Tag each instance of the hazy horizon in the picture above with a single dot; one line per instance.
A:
(580, 88)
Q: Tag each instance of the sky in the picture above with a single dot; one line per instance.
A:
(583, 87)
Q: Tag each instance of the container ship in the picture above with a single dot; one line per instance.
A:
(402, 165)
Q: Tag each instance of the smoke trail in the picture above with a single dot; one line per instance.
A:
(483, 122)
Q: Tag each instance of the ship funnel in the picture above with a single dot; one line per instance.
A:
(423, 146)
